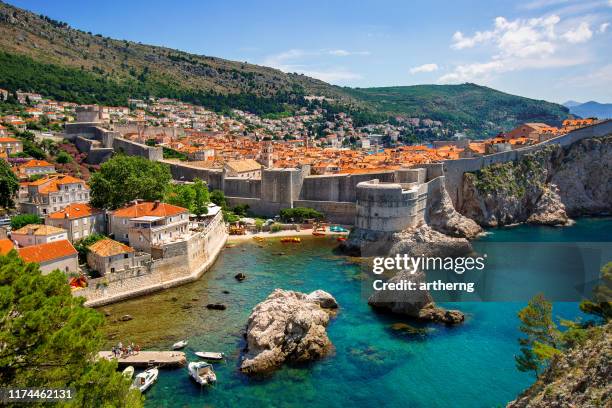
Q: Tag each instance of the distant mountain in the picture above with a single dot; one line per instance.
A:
(482, 110)
(44, 55)
(591, 109)
(571, 103)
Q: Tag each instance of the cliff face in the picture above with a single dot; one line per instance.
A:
(543, 187)
(582, 377)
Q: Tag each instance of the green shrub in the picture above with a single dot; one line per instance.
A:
(299, 214)
(276, 227)
(22, 220)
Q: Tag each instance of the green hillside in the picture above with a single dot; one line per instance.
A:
(467, 106)
(44, 55)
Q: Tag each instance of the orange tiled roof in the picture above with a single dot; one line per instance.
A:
(47, 252)
(149, 208)
(109, 247)
(75, 211)
(7, 139)
(49, 184)
(38, 229)
(5, 246)
(36, 163)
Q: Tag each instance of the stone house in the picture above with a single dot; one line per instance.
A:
(51, 256)
(10, 145)
(34, 234)
(110, 256)
(248, 168)
(80, 220)
(35, 168)
(54, 193)
(147, 224)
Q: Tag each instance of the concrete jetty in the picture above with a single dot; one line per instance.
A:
(148, 358)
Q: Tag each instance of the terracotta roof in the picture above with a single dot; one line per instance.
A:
(37, 163)
(149, 208)
(109, 247)
(49, 184)
(74, 211)
(7, 139)
(38, 229)
(47, 252)
(5, 246)
(240, 166)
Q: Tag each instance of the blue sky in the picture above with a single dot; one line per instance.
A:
(545, 49)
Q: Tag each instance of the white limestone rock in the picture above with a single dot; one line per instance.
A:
(288, 326)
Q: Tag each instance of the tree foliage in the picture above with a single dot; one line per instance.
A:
(300, 214)
(22, 220)
(601, 303)
(193, 196)
(49, 339)
(9, 184)
(541, 335)
(126, 178)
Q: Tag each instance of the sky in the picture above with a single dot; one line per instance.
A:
(556, 50)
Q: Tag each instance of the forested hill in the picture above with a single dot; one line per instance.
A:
(33, 44)
(470, 106)
(47, 56)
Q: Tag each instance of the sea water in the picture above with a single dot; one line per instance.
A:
(471, 365)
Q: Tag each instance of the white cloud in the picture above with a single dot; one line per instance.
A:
(311, 63)
(424, 68)
(520, 44)
(580, 34)
(345, 53)
(536, 4)
(603, 27)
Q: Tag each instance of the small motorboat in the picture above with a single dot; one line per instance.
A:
(145, 380)
(202, 372)
(179, 345)
(341, 239)
(128, 372)
(209, 355)
(337, 228)
(318, 233)
(294, 240)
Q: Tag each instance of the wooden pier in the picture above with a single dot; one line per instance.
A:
(148, 358)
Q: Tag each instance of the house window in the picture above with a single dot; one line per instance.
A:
(112, 270)
(124, 222)
(84, 221)
(125, 256)
(125, 236)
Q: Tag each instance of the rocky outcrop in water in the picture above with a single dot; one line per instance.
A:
(417, 304)
(581, 377)
(288, 326)
(543, 187)
(425, 241)
(441, 216)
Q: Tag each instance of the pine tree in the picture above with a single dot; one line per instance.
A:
(49, 339)
(540, 343)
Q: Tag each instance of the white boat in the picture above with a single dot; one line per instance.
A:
(209, 355)
(128, 372)
(179, 344)
(202, 372)
(145, 380)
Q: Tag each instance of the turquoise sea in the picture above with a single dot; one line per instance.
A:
(471, 365)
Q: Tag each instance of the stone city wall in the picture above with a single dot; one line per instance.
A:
(185, 262)
(454, 169)
(388, 207)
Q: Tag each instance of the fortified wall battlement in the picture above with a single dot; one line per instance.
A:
(389, 207)
(183, 261)
(90, 137)
(334, 195)
(454, 169)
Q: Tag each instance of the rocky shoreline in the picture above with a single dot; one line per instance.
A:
(546, 187)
